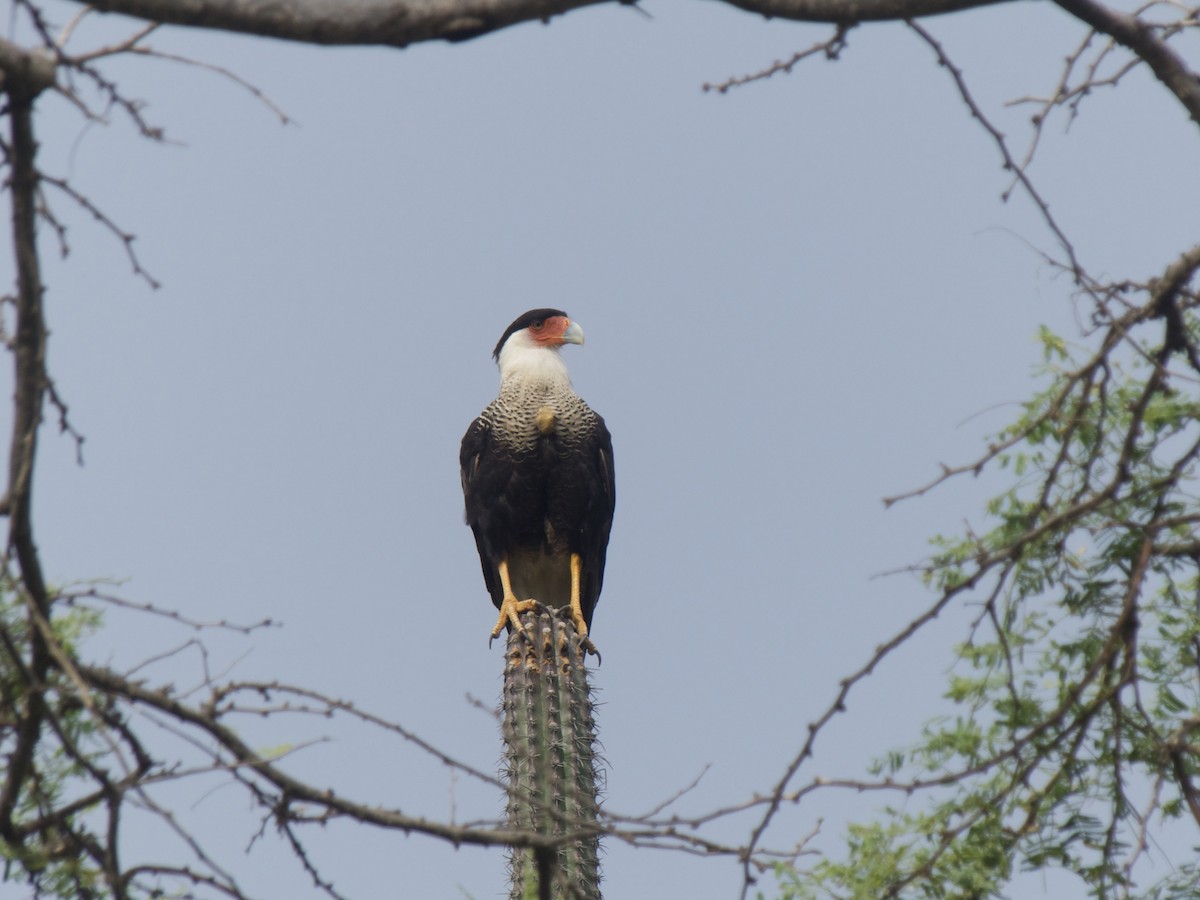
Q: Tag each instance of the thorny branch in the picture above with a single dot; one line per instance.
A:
(1147, 43)
(58, 689)
(24, 79)
(831, 49)
(1168, 299)
(1010, 165)
(96, 213)
(1071, 719)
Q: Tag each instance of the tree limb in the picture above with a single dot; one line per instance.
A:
(291, 790)
(1141, 37)
(399, 23)
(26, 71)
(850, 11)
(395, 23)
(22, 85)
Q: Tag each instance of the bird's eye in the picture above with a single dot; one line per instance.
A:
(536, 326)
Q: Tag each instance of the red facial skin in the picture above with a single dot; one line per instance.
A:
(550, 332)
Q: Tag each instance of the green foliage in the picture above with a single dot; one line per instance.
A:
(1076, 728)
(46, 855)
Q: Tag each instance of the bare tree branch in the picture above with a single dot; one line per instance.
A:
(840, 12)
(24, 80)
(290, 789)
(1144, 40)
(1010, 164)
(29, 72)
(386, 22)
(830, 48)
(1085, 482)
(399, 23)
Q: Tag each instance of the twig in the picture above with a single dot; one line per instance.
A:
(1010, 165)
(831, 48)
(123, 236)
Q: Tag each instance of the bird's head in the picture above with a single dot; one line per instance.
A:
(529, 347)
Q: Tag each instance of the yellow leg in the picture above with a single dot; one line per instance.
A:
(577, 606)
(510, 608)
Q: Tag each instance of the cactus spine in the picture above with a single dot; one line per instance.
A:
(549, 739)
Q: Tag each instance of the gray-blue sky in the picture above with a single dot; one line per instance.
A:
(799, 298)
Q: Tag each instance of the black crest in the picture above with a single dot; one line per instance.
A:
(524, 321)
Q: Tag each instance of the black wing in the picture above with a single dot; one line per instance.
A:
(494, 510)
(603, 501)
(476, 446)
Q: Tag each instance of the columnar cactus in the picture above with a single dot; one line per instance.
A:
(549, 738)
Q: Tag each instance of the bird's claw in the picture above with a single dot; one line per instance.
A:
(510, 614)
(586, 645)
(581, 629)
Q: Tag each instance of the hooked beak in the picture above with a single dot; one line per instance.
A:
(573, 334)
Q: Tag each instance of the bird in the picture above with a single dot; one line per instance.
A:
(538, 480)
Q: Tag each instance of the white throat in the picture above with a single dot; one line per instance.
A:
(522, 361)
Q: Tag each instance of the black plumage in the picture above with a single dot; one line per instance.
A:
(537, 473)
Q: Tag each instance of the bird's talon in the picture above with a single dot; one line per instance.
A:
(510, 614)
(585, 644)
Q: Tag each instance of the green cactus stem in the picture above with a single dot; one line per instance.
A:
(549, 739)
